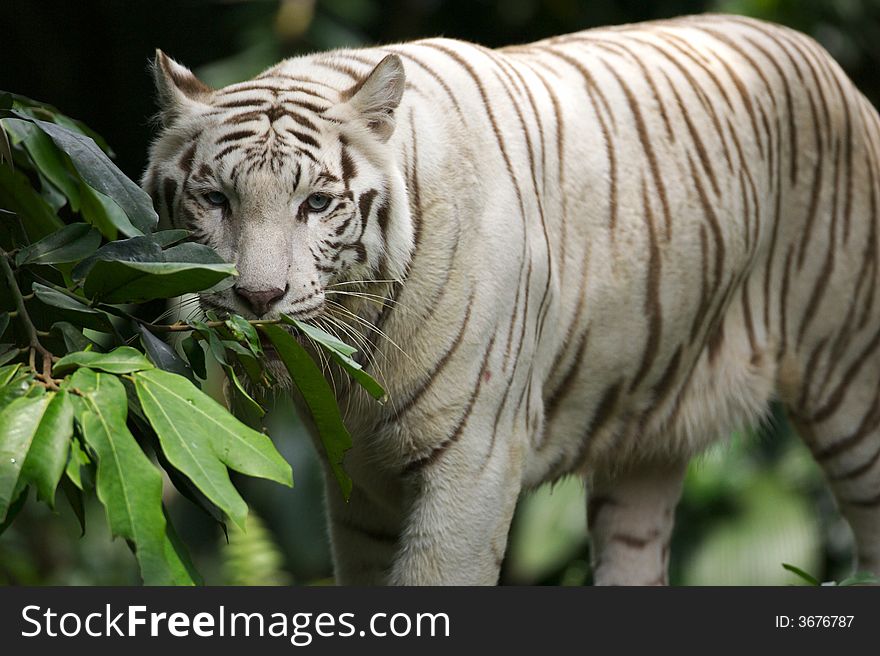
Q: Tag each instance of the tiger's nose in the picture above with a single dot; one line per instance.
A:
(261, 299)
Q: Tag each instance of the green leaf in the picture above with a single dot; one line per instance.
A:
(75, 499)
(179, 550)
(191, 453)
(19, 423)
(35, 109)
(15, 381)
(178, 480)
(46, 157)
(167, 237)
(35, 390)
(362, 378)
(137, 269)
(9, 372)
(244, 331)
(100, 173)
(47, 456)
(221, 286)
(201, 438)
(218, 350)
(12, 231)
(192, 253)
(121, 360)
(319, 398)
(860, 578)
(128, 485)
(77, 460)
(196, 356)
(8, 352)
(341, 353)
(137, 282)
(71, 243)
(103, 213)
(51, 194)
(237, 349)
(5, 148)
(73, 337)
(252, 366)
(809, 578)
(76, 311)
(4, 322)
(163, 355)
(17, 195)
(134, 249)
(243, 405)
(322, 337)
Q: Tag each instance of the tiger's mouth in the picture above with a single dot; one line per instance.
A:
(223, 312)
(211, 302)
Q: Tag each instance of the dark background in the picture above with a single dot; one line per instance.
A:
(751, 504)
(89, 57)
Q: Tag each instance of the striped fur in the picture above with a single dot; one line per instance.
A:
(594, 254)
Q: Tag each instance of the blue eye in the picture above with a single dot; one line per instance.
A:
(318, 202)
(216, 199)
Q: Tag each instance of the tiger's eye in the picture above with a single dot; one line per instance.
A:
(216, 198)
(318, 202)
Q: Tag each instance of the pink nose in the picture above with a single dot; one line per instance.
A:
(260, 300)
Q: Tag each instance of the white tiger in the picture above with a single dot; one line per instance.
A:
(600, 252)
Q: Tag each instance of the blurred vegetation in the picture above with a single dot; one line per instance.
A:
(749, 505)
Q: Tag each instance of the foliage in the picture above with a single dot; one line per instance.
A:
(89, 390)
(859, 578)
(253, 557)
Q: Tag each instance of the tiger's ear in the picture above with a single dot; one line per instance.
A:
(176, 87)
(376, 96)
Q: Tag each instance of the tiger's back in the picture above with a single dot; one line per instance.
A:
(728, 233)
(621, 245)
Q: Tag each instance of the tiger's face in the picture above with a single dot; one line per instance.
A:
(288, 178)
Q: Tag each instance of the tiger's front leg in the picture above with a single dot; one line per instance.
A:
(463, 497)
(630, 516)
(365, 529)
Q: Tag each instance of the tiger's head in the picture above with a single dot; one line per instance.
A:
(289, 176)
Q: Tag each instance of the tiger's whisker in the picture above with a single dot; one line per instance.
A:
(375, 298)
(374, 328)
(364, 282)
(367, 348)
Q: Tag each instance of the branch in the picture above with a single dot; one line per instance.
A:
(183, 327)
(176, 327)
(25, 318)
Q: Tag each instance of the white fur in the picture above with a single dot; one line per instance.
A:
(511, 249)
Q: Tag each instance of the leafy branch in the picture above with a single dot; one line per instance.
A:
(88, 387)
(22, 315)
